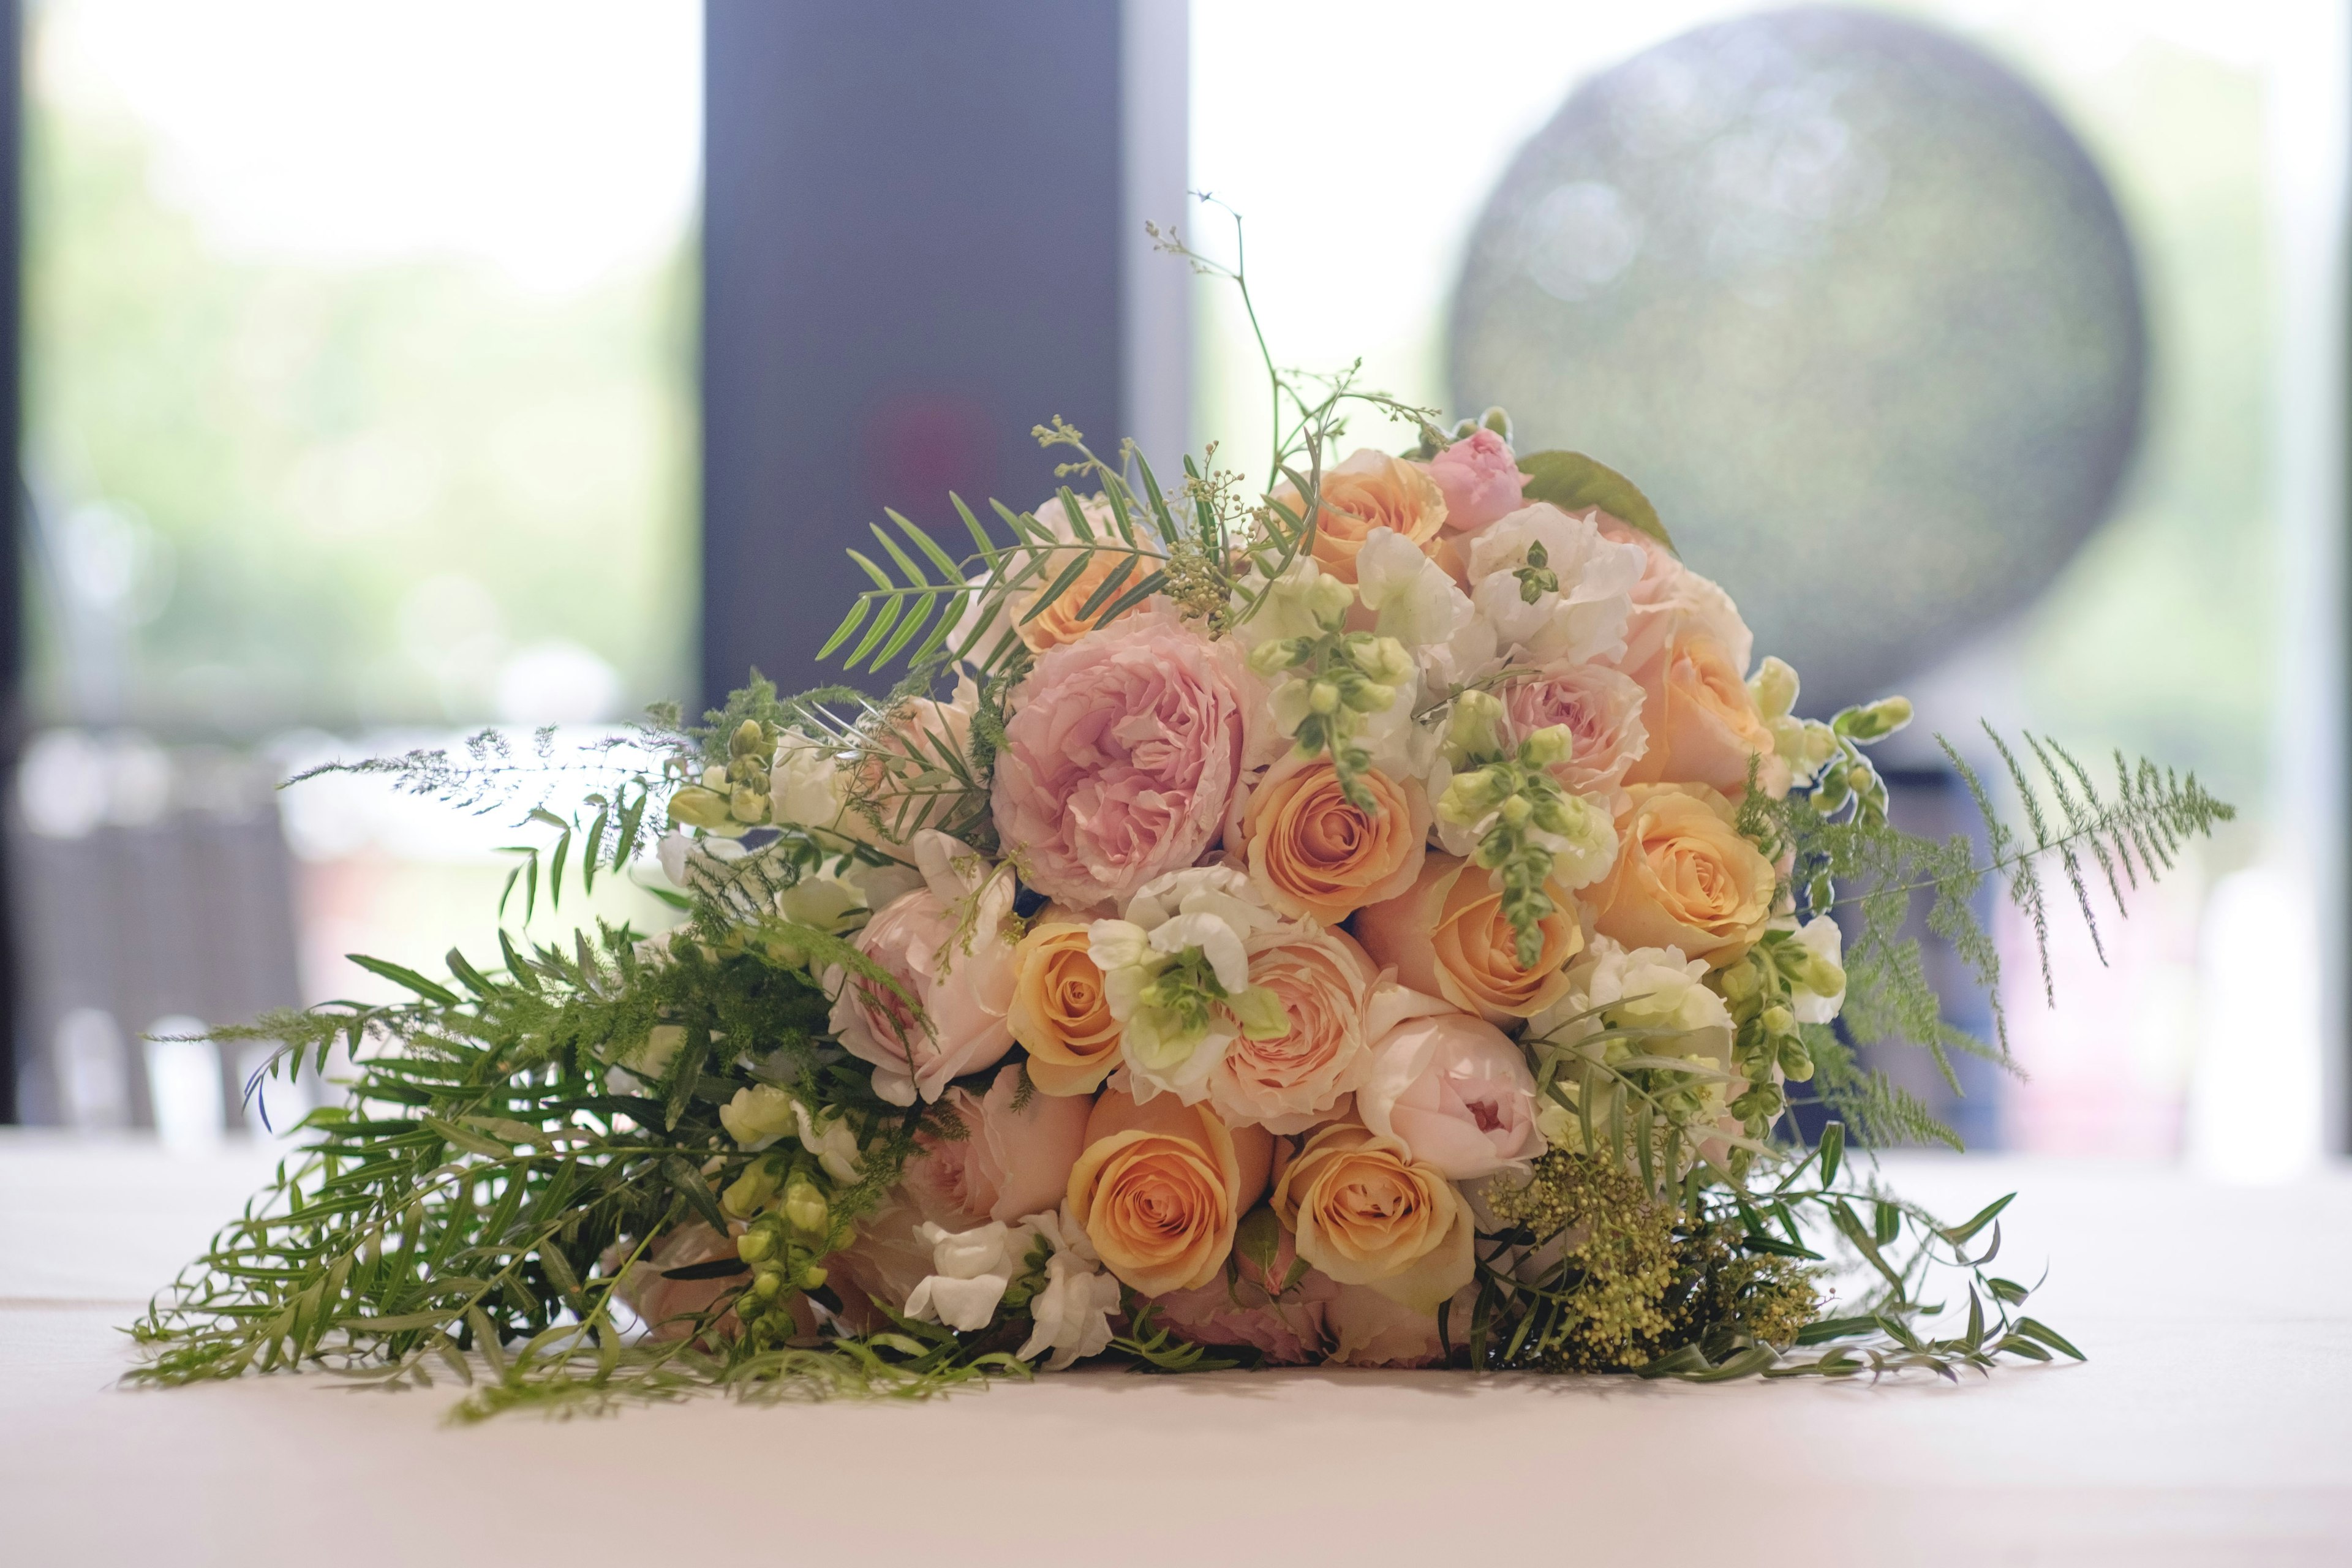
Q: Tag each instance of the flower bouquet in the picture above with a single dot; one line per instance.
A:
(1383, 916)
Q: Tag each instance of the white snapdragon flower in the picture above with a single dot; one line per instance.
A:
(1551, 586)
(973, 1270)
(1824, 947)
(1176, 976)
(1295, 604)
(1071, 1314)
(1412, 600)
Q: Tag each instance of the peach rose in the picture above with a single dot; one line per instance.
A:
(1370, 491)
(1312, 853)
(1447, 935)
(1702, 721)
(1008, 1165)
(1684, 877)
(1060, 1013)
(1161, 1188)
(1366, 1213)
(1287, 1085)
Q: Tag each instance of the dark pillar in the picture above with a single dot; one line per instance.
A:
(915, 249)
(12, 157)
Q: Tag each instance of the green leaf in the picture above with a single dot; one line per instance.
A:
(1832, 1147)
(1573, 481)
(403, 976)
(949, 570)
(1984, 1217)
(1824, 1330)
(2034, 1330)
(465, 1137)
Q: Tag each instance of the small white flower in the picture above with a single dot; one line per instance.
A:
(1826, 943)
(1585, 618)
(805, 782)
(1586, 852)
(1071, 1315)
(971, 1271)
(1410, 595)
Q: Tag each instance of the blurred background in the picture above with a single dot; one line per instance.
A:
(384, 371)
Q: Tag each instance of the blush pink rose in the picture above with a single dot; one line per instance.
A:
(1602, 708)
(1369, 1328)
(1008, 1165)
(1456, 1092)
(1121, 754)
(946, 946)
(1479, 479)
(1289, 1328)
(1288, 1085)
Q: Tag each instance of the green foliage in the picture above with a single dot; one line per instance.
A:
(509, 1146)
(1573, 481)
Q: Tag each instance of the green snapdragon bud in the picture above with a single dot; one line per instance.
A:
(1323, 698)
(1774, 688)
(750, 1192)
(695, 806)
(1796, 1062)
(1474, 732)
(1276, 654)
(1809, 969)
(1740, 982)
(747, 805)
(1536, 578)
(1875, 722)
(1552, 745)
(1363, 696)
(805, 1208)
(1467, 797)
(1384, 659)
(756, 1244)
(749, 737)
(1779, 1021)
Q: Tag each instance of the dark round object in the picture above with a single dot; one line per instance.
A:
(1851, 304)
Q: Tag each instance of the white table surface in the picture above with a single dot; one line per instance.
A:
(2213, 1424)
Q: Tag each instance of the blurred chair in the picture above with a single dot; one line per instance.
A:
(152, 896)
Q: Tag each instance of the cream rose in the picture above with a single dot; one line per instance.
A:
(1060, 1013)
(1447, 935)
(1371, 490)
(1684, 877)
(1314, 853)
(1366, 1213)
(1161, 1188)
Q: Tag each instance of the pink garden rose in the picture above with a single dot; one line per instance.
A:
(1288, 1330)
(1603, 710)
(1122, 750)
(1670, 600)
(1288, 1085)
(1479, 481)
(1455, 1090)
(1008, 1165)
(951, 956)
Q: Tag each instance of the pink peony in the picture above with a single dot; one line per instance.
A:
(945, 945)
(1242, 1308)
(1455, 1090)
(1602, 710)
(888, 1258)
(1670, 601)
(1008, 1165)
(1479, 481)
(1122, 750)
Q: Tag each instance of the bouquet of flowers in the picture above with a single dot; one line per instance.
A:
(1386, 916)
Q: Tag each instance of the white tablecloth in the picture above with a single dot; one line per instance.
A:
(2213, 1424)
